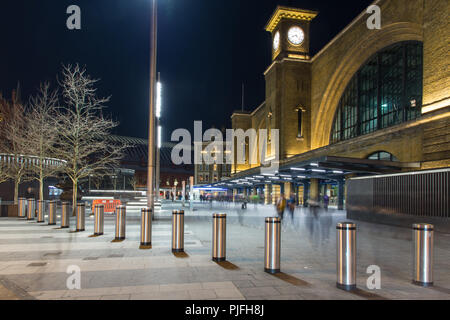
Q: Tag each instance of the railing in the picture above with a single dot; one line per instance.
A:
(423, 193)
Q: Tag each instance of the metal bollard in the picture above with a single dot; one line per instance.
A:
(31, 209)
(99, 219)
(41, 211)
(121, 221)
(146, 227)
(273, 245)
(423, 237)
(219, 239)
(346, 256)
(22, 209)
(52, 212)
(178, 231)
(81, 217)
(65, 219)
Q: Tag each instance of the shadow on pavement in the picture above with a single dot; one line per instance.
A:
(227, 265)
(291, 279)
(180, 255)
(367, 295)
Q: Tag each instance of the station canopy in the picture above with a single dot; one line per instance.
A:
(329, 168)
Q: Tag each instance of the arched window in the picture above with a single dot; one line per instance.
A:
(386, 91)
(383, 156)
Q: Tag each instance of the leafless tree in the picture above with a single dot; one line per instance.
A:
(133, 182)
(97, 180)
(3, 159)
(3, 167)
(83, 130)
(16, 142)
(42, 134)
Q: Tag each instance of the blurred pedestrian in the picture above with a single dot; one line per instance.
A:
(291, 205)
(281, 205)
(326, 201)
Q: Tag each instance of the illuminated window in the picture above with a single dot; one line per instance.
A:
(383, 156)
(300, 122)
(386, 91)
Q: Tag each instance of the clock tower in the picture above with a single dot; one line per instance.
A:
(290, 33)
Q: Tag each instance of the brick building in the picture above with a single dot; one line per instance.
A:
(370, 102)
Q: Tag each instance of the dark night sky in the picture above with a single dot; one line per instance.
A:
(206, 49)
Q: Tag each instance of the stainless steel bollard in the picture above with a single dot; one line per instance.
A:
(31, 209)
(146, 227)
(219, 237)
(121, 222)
(22, 208)
(273, 245)
(52, 212)
(178, 231)
(65, 218)
(81, 217)
(99, 219)
(423, 238)
(346, 256)
(41, 211)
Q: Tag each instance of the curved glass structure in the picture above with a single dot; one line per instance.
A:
(387, 90)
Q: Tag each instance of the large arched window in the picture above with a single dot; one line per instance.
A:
(386, 91)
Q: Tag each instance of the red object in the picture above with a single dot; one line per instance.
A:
(110, 205)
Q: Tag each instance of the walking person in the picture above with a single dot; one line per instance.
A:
(326, 201)
(281, 205)
(244, 202)
(291, 205)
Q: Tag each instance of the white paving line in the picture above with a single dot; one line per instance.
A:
(221, 286)
(29, 247)
(84, 234)
(104, 264)
(43, 227)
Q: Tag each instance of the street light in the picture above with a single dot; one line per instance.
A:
(159, 137)
(158, 134)
(158, 99)
(151, 132)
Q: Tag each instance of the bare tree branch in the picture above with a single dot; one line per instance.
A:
(83, 131)
(16, 142)
(42, 133)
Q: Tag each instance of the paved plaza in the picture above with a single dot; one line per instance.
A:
(34, 259)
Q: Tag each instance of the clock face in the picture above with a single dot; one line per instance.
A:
(276, 41)
(296, 35)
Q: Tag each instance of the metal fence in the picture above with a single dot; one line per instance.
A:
(424, 194)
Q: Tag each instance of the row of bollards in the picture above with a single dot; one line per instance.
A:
(423, 236)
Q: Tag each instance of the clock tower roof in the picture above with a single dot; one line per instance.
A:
(289, 13)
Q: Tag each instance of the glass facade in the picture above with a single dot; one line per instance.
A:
(386, 91)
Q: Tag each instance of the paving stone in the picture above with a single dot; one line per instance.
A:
(122, 271)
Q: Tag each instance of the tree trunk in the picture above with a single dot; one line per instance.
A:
(74, 198)
(41, 190)
(16, 191)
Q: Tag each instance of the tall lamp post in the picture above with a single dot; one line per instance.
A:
(151, 133)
